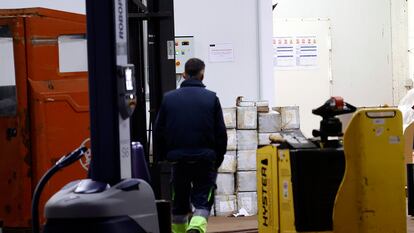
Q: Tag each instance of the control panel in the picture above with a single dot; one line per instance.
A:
(127, 99)
(296, 140)
(184, 50)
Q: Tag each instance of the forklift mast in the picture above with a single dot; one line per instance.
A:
(109, 128)
(115, 199)
(154, 21)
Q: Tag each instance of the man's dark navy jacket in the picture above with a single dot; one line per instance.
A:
(190, 125)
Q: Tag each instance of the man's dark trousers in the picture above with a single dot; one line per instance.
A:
(195, 182)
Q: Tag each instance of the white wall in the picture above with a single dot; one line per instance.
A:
(214, 21)
(362, 65)
(400, 61)
(234, 21)
(306, 87)
(411, 36)
(266, 80)
(76, 6)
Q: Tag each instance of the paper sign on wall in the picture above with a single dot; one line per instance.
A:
(284, 51)
(307, 51)
(223, 52)
(295, 53)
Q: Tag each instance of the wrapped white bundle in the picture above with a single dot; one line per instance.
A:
(270, 122)
(246, 118)
(246, 181)
(246, 160)
(248, 201)
(229, 163)
(246, 139)
(225, 205)
(225, 184)
(229, 115)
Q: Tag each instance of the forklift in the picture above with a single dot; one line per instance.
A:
(114, 198)
(44, 109)
(335, 182)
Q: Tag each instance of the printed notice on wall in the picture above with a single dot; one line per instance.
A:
(223, 52)
(295, 53)
(306, 51)
(284, 51)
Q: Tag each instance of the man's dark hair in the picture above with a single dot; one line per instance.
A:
(193, 67)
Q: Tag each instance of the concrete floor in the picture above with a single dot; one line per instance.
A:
(249, 225)
(410, 225)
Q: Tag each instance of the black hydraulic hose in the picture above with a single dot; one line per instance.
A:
(63, 162)
(36, 197)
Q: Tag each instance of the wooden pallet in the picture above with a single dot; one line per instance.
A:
(232, 225)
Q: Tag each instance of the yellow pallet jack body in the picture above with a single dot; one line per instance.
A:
(371, 197)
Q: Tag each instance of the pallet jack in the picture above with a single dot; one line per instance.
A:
(335, 184)
(113, 199)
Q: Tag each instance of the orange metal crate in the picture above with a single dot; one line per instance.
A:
(52, 112)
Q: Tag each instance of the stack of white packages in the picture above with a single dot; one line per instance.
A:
(224, 196)
(225, 200)
(249, 126)
(246, 157)
(229, 115)
(246, 183)
(246, 180)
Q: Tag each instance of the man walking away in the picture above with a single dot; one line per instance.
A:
(190, 133)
